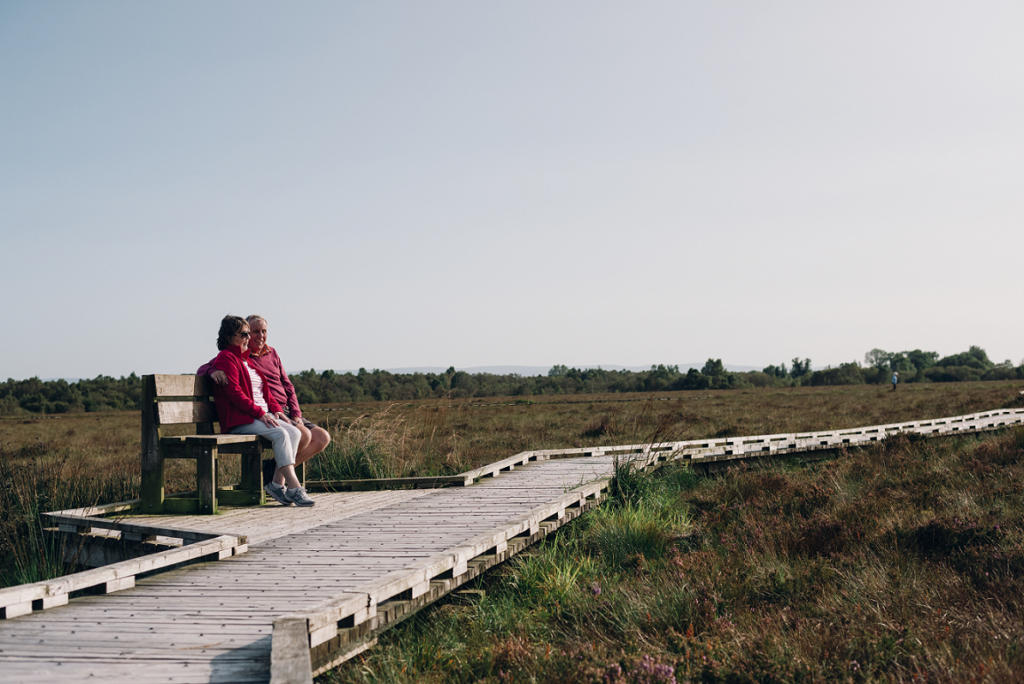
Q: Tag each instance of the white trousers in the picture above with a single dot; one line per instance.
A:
(285, 438)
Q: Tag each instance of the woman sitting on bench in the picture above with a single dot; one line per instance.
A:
(244, 408)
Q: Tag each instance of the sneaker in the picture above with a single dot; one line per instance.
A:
(299, 497)
(278, 492)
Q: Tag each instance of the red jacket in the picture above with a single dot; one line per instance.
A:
(235, 405)
(277, 382)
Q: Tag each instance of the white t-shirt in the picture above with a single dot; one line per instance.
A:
(257, 387)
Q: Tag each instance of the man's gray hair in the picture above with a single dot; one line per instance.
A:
(253, 318)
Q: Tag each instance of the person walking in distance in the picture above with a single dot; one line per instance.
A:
(895, 379)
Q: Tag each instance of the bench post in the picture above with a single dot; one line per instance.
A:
(252, 473)
(152, 494)
(206, 474)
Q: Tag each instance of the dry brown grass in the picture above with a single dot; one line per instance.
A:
(448, 436)
(443, 437)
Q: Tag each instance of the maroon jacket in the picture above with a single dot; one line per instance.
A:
(276, 382)
(235, 405)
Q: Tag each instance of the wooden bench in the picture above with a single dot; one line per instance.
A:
(187, 399)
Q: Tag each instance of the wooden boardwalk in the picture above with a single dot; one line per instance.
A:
(213, 622)
(298, 591)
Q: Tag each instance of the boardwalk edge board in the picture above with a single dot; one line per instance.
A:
(24, 599)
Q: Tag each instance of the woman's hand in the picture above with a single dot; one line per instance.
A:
(269, 420)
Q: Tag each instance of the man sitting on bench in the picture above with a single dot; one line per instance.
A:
(266, 359)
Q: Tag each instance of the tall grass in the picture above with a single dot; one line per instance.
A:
(36, 479)
(391, 444)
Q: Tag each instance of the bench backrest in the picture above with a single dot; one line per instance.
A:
(173, 400)
(178, 399)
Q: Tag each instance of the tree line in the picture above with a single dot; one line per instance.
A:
(105, 393)
(102, 393)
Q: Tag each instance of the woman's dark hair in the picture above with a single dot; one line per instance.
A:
(228, 327)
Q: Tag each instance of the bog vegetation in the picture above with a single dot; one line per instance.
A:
(888, 564)
(898, 563)
(106, 393)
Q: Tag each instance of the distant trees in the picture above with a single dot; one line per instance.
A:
(926, 366)
(713, 367)
(800, 368)
(845, 374)
(975, 357)
(877, 358)
(102, 393)
(558, 371)
(915, 361)
(329, 387)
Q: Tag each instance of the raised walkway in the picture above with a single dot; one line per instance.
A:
(298, 591)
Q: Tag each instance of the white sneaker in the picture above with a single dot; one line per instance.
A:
(299, 497)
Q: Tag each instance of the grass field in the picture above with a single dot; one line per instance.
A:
(898, 563)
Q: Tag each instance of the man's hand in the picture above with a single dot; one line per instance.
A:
(269, 420)
(219, 377)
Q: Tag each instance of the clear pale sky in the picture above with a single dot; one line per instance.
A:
(398, 184)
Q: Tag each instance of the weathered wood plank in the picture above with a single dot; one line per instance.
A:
(112, 576)
(141, 528)
(152, 494)
(180, 412)
(181, 386)
(289, 658)
(439, 481)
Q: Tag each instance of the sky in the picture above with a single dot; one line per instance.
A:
(407, 184)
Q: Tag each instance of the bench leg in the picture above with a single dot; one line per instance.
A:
(206, 477)
(152, 494)
(252, 475)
